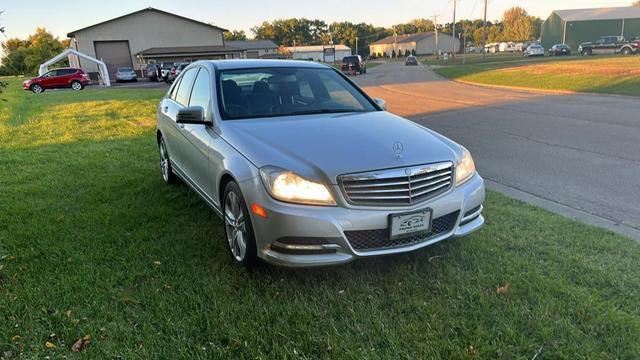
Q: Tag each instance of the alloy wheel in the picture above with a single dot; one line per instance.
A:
(234, 220)
(164, 161)
(37, 89)
(76, 86)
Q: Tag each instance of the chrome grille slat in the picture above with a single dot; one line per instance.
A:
(397, 187)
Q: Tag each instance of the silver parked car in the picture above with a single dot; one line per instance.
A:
(305, 169)
(126, 74)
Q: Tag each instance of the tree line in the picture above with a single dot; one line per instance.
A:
(515, 25)
(24, 56)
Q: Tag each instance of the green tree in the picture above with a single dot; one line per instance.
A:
(25, 56)
(517, 24)
(413, 26)
(3, 84)
(235, 35)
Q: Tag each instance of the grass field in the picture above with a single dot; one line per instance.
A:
(92, 243)
(599, 74)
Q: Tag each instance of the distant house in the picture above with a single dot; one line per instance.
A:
(426, 43)
(327, 53)
(254, 49)
(573, 27)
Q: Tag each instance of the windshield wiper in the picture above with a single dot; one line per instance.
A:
(321, 111)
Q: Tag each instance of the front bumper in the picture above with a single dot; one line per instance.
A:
(301, 236)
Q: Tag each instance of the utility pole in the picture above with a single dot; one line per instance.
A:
(356, 45)
(453, 37)
(435, 26)
(484, 30)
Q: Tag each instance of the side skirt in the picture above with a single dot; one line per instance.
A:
(176, 170)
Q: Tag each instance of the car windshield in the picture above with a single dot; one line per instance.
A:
(280, 91)
(350, 59)
(125, 69)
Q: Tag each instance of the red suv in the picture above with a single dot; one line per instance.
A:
(58, 78)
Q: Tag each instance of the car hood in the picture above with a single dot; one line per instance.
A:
(586, 43)
(321, 147)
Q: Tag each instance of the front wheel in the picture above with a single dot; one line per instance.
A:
(76, 86)
(36, 89)
(626, 51)
(238, 228)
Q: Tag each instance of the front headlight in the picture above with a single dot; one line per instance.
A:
(465, 168)
(287, 186)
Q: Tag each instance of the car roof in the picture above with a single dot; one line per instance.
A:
(251, 63)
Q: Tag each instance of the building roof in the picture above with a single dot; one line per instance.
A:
(404, 38)
(609, 13)
(253, 63)
(315, 48)
(251, 44)
(188, 50)
(71, 34)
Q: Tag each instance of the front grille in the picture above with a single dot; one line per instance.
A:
(369, 240)
(400, 186)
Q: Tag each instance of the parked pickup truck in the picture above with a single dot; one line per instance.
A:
(609, 45)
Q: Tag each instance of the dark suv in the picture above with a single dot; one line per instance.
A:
(609, 45)
(353, 65)
(75, 79)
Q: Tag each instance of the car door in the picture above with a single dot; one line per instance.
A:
(49, 79)
(199, 135)
(174, 133)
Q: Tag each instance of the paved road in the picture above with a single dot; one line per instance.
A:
(580, 151)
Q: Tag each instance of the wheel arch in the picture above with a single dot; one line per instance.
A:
(222, 184)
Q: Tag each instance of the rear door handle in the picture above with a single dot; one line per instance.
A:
(181, 126)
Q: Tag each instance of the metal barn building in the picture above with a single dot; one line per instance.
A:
(573, 27)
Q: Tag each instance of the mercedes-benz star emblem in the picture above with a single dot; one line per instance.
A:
(398, 148)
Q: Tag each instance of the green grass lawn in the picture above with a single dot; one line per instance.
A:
(600, 74)
(93, 243)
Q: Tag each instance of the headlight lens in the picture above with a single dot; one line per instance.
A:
(287, 186)
(465, 168)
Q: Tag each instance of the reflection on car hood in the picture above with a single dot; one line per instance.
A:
(321, 147)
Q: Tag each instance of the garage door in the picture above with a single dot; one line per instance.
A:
(252, 54)
(114, 53)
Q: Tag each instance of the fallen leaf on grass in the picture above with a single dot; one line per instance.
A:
(50, 345)
(472, 352)
(15, 338)
(341, 292)
(68, 313)
(157, 263)
(81, 344)
(8, 258)
(503, 289)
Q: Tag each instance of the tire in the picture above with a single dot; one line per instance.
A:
(36, 89)
(238, 228)
(76, 86)
(586, 52)
(165, 164)
(626, 51)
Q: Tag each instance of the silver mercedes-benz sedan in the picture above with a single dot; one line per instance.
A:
(305, 169)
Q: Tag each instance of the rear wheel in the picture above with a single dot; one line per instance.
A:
(165, 165)
(586, 52)
(37, 89)
(76, 86)
(626, 51)
(238, 228)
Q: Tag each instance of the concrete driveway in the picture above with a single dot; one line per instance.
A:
(575, 154)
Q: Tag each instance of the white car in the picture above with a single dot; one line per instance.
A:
(534, 50)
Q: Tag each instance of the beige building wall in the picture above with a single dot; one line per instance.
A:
(428, 46)
(388, 48)
(144, 30)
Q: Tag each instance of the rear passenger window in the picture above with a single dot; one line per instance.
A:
(184, 88)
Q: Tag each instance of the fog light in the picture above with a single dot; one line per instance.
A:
(258, 210)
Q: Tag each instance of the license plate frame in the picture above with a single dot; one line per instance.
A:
(405, 224)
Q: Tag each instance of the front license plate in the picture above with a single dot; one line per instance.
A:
(409, 223)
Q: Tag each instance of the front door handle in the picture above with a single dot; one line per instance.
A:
(165, 109)
(181, 126)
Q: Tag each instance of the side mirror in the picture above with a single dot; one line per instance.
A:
(381, 103)
(191, 115)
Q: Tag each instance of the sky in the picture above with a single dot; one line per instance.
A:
(21, 17)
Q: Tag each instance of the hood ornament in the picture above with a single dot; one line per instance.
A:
(398, 148)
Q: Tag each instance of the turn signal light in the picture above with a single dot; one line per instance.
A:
(258, 210)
